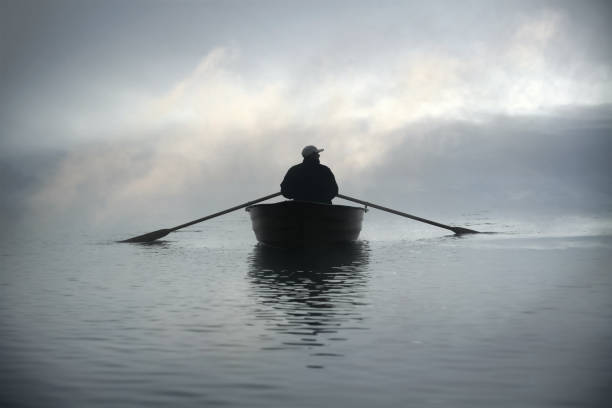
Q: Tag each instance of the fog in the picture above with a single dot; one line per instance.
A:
(120, 113)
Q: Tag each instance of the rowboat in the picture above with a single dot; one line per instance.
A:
(301, 223)
(305, 224)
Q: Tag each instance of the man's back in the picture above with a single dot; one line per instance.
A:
(310, 181)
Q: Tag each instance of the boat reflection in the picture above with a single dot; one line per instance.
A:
(309, 297)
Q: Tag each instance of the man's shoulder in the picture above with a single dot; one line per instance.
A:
(296, 166)
(309, 167)
(325, 168)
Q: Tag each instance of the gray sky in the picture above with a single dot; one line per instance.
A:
(119, 110)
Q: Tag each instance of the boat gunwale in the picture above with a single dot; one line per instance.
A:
(312, 204)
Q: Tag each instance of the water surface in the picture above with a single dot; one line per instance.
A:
(408, 316)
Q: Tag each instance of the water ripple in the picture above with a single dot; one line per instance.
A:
(309, 292)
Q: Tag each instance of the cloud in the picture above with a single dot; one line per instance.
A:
(530, 163)
(427, 119)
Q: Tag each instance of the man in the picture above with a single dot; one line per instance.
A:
(310, 180)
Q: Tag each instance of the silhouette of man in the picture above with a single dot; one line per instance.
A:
(310, 180)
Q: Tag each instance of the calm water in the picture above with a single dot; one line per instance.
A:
(406, 317)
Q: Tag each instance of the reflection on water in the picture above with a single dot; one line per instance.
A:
(309, 297)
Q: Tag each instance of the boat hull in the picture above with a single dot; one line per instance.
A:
(301, 224)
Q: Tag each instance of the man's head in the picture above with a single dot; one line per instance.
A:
(311, 152)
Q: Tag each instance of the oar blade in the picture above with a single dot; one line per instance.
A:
(149, 237)
(462, 231)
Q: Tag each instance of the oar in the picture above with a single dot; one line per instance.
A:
(456, 230)
(152, 236)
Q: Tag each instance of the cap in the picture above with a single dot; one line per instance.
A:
(308, 150)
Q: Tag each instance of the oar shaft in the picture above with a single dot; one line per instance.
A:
(403, 214)
(152, 236)
(208, 217)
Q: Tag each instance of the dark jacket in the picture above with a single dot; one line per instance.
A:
(310, 181)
